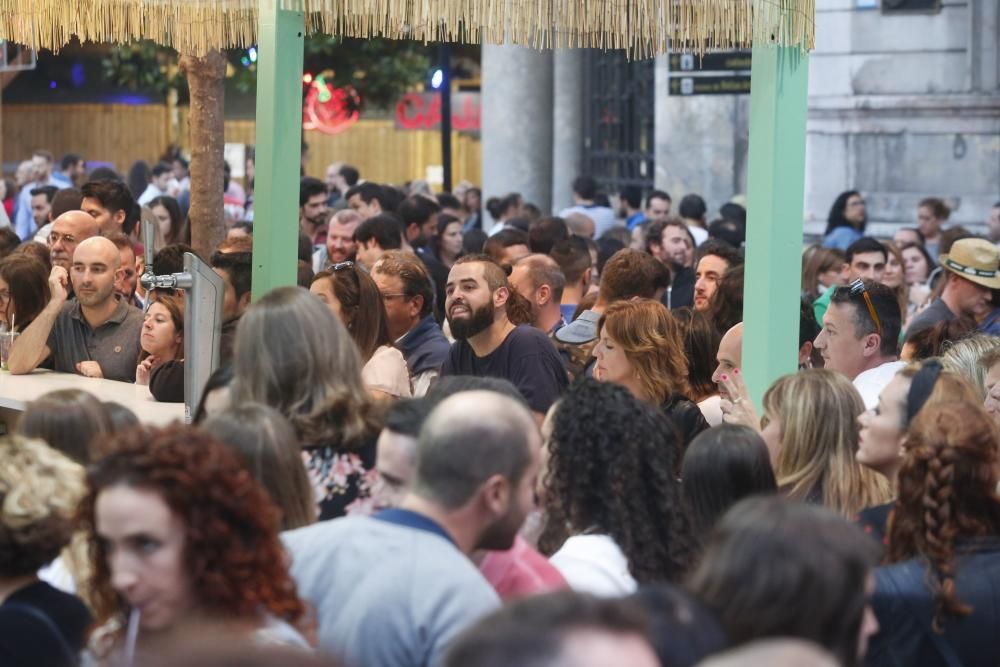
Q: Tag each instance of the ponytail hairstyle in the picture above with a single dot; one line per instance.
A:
(947, 490)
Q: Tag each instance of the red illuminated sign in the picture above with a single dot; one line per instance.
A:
(328, 109)
(422, 111)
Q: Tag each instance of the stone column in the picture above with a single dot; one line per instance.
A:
(517, 124)
(567, 125)
(701, 144)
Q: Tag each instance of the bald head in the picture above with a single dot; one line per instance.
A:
(730, 356)
(469, 438)
(95, 268)
(581, 225)
(97, 248)
(774, 653)
(68, 230)
(732, 344)
(531, 272)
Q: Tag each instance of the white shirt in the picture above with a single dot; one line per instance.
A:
(711, 410)
(594, 564)
(42, 235)
(700, 234)
(149, 194)
(386, 372)
(870, 383)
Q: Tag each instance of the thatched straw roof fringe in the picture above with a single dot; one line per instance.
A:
(642, 27)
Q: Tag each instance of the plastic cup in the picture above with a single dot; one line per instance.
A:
(7, 339)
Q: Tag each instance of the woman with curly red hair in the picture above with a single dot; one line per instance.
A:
(938, 602)
(182, 537)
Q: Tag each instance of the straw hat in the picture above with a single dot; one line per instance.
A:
(976, 260)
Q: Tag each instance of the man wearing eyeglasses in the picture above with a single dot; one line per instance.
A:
(860, 336)
(68, 230)
(408, 295)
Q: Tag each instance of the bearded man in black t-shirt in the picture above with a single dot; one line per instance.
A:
(489, 322)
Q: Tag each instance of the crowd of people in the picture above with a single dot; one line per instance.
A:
(477, 435)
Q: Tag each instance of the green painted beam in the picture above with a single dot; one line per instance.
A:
(775, 194)
(278, 147)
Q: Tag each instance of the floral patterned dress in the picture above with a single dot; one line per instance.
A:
(342, 480)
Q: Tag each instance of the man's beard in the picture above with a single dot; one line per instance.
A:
(499, 536)
(91, 299)
(479, 321)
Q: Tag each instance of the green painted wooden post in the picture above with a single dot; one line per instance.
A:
(775, 194)
(278, 148)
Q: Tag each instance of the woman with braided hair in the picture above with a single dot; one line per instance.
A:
(938, 602)
(614, 514)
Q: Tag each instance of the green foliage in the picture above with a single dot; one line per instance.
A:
(144, 66)
(379, 70)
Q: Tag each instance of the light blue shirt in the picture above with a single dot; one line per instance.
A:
(24, 221)
(635, 220)
(841, 238)
(385, 593)
(61, 180)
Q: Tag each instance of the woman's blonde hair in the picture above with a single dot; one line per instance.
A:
(651, 339)
(293, 354)
(963, 357)
(817, 410)
(40, 490)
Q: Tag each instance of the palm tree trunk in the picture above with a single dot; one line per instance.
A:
(205, 76)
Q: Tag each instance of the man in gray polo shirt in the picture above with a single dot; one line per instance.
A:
(97, 335)
(396, 588)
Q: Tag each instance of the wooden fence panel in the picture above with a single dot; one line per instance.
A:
(115, 133)
(122, 134)
(376, 148)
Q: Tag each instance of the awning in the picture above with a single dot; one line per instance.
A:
(643, 27)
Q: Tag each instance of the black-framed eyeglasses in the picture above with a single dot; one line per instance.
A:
(858, 287)
(397, 295)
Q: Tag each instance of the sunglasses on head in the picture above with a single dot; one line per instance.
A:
(858, 287)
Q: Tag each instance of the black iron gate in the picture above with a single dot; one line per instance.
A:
(619, 104)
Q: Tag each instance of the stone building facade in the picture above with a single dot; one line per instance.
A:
(902, 105)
